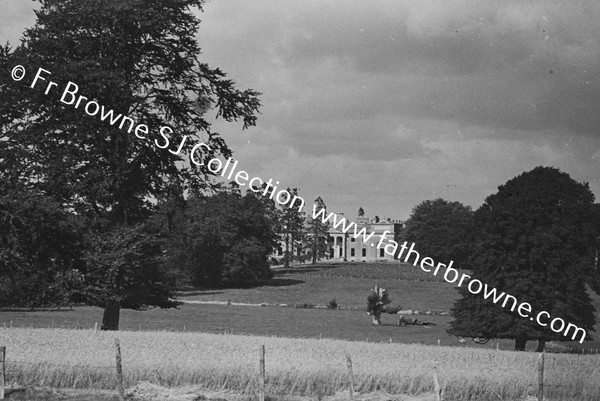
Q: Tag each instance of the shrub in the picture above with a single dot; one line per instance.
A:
(332, 304)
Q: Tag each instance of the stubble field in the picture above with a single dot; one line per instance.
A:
(306, 367)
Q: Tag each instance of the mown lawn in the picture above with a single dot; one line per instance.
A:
(347, 291)
(281, 322)
(305, 286)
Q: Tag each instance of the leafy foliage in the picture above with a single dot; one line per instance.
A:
(40, 251)
(377, 300)
(127, 269)
(536, 239)
(291, 229)
(224, 239)
(442, 230)
(317, 234)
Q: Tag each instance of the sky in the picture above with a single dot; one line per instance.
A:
(385, 104)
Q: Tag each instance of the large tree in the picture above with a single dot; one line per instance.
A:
(536, 241)
(128, 271)
(139, 58)
(442, 230)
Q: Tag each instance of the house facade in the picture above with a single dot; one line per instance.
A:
(344, 247)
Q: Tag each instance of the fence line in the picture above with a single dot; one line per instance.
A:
(350, 377)
(2, 371)
(120, 385)
(439, 389)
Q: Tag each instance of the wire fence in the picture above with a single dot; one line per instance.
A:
(12, 368)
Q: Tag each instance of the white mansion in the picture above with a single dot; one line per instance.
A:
(344, 247)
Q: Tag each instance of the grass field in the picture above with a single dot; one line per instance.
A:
(282, 322)
(304, 286)
(347, 291)
(376, 271)
(312, 367)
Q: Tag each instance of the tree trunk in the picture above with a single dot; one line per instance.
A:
(541, 345)
(315, 242)
(286, 263)
(377, 315)
(520, 343)
(292, 239)
(110, 318)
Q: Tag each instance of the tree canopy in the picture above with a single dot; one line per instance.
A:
(224, 239)
(536, 240)
(442, 230)
(317, 234)
(40, 251)
(292, 229)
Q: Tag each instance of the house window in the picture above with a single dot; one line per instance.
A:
(351, 251)
(364, 252)
(352, 239)
(381, 253)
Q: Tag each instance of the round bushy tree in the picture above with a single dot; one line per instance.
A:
(536, 240)
(442, 230)
(376, 302)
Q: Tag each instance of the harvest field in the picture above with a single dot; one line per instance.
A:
(309, 367)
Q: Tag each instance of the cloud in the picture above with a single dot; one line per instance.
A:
(383, 104)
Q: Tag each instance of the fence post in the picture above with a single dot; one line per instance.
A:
(436, 384)
(541, 377)
(261, 375)
(350, 376)
(2, 371)
(120, 385)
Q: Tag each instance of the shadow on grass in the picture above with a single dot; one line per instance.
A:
(197, 291)
(301, 269)
(280, 282)
(215, 290)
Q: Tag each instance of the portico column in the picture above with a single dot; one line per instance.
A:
(345, 248)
